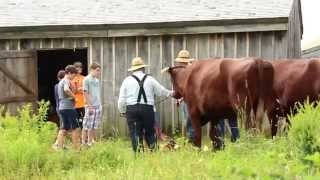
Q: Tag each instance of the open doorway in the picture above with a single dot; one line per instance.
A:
(49, 63)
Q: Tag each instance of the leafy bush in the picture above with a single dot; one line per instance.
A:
(304, 134)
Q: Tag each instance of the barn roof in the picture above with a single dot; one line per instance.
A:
(15, 13)
(312, 52)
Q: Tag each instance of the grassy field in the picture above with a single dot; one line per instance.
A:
(26, 153)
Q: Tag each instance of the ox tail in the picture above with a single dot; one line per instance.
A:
(265, 83)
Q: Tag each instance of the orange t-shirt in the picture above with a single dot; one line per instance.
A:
(77, 83)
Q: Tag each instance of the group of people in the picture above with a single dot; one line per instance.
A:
(79, 109)
(137, 100)
(78, 105)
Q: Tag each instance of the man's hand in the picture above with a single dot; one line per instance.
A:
(179, 101)
(123, 115)
(91, 110)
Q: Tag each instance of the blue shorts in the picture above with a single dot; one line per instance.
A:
(68, 119)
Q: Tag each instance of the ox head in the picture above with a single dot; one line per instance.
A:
(177, 74)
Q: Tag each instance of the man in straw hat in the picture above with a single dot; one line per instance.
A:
(184, 59)
(136, 101)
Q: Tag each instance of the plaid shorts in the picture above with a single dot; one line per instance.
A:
(92, 120)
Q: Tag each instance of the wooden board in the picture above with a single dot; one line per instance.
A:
(280, 45)
(108, 100)
(57, 43)
(241, 45)
(229, 45)
(267, 45)
(69, 43)
(191, 43)
(3, 44)
(121, 73)
(19, 78)
(177, 117)
(255, 44)
(95, 50)
(203, 46)
(155, 68)
(167, 60)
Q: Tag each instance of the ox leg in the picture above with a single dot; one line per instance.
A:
(217, 141)
(196, 125)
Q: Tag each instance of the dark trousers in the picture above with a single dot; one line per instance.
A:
(190, 130)
(141, 121)
(80, 115)
(233, 126)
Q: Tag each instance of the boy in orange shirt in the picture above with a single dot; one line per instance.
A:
(78, 92)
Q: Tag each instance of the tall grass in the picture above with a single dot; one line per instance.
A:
(26, 153)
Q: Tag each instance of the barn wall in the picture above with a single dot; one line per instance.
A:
(115, 54)
(295, 31)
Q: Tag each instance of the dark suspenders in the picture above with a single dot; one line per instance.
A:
(141, 90)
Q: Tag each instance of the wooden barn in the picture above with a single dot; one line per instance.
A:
(40, 37)
(312, 52)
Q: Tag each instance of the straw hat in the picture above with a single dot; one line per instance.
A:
(184, 57)
(137, 63)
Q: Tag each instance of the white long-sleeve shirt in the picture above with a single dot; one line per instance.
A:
(129, 91)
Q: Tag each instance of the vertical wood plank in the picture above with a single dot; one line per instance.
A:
(267, 45)
(191, 41)
(120, 71)
(213, 45)
(13, 44)
(255, 44)
(241, 45)
(155, 68)
(219, 45)
(143, 47)
(202, 46)
(96, 50)
(178, 44)
(80, 42)
(68, 43)
(280, 44)
(3, 44)
(131, 50)
(229, 45)
(165, 81)
(57, 43)
(46, 43)
(108, 100)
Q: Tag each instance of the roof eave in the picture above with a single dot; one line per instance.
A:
(81, 27)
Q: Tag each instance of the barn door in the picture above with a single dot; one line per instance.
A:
(18, 79)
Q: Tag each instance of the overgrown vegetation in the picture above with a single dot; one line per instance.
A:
(26, 153)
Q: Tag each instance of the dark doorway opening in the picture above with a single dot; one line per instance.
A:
(49, 63)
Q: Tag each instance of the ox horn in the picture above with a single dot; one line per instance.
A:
(165, 70)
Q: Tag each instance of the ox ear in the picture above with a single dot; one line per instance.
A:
(166, 69)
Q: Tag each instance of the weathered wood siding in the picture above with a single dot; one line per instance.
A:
(115, 54)
(295, 31)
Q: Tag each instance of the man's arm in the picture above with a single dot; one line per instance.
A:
(67, 90)
(87, 96)
(159, 89)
